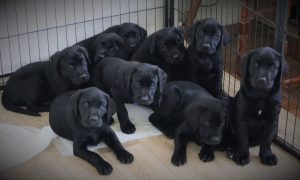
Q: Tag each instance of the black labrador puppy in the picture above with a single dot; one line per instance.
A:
(204, 64)
(36, 84)
(188, 112)
(129, 82)
(165, 49)
(256, 107)
(83, 117)
(132, 34)
(104, 45)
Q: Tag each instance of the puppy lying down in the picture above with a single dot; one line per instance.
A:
(129, 82)
(188, 112)
(83, 117)
(35, 85)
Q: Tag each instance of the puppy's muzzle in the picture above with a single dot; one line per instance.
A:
(215, 140)
(205, 46)
(132, 45)
(84, 77)
(95, 121)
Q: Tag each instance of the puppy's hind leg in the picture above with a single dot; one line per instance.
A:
(161, 125)
(32, 106)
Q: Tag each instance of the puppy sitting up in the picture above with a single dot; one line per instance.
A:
(256, 107)
(83, 117)
(188, 112)
(129, 82)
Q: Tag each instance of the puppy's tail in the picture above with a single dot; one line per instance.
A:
(9, 106)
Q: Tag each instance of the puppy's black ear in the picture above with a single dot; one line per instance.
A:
(192, 31)
(176, 90)
(143, 32)
(111, 108)
(127, 77)
(180, 33)
(225, 35)
(54, 67)
(245, 62)
(153, 41)
(74, 99)
(162, 80)
(85, 53)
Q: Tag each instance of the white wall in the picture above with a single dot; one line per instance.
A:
(32, 30)
(225, 11)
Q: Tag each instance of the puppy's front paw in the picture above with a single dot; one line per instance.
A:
(269, 159)
(241, 158)
(178, 159)
(125, 157)
(128, 128)
(104, 168)
(206, 154)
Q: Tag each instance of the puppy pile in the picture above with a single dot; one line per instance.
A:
(83, 86)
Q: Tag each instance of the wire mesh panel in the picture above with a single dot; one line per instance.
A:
(33, 30)
(252, 24)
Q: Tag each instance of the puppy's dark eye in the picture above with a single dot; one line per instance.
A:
(152, 84)
(164, 46)
(100, 105)
(216, 35)
(272, 66)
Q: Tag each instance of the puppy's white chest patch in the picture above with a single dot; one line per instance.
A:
(259, 112)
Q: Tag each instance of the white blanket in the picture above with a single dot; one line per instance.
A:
(20, 143)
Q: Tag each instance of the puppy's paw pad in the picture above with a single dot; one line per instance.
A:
(129, 128)
(125, 157)
(104, 168)
(178, 159)
(206, 156)
(270, 160)
(241, 159)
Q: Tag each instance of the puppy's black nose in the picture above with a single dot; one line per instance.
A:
(101, 55)
(205, 45)
(262, 80)
(176, 56)
(215, 139)
(132, 45)
(93, 119)
(145, 98)
(84, 77)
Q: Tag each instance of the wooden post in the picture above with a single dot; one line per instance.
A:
(192, 13)
(243, 37)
